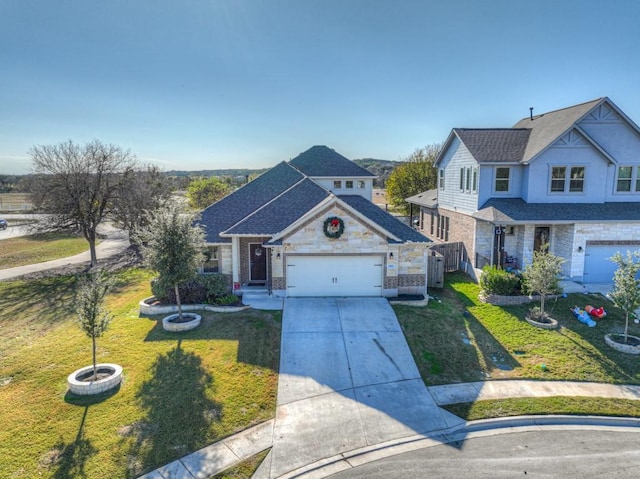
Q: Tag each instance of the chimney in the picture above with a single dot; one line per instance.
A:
(531, 113)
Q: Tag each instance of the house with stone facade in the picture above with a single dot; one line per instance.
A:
(308, 227)
(569, 178)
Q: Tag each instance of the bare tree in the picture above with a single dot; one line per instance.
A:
(76, 184)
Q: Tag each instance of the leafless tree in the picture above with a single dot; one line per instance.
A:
(75, 185)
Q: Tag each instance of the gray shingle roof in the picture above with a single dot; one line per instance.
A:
(515, 210)
(282, 211)
(428, 199)
(321, 161)
(244, 201)
(548, 127)
(386, 221)
(494, 145)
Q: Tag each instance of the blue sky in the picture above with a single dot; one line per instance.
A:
(248, 83)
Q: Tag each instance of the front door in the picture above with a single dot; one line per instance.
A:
(541, 237)
(257, 263)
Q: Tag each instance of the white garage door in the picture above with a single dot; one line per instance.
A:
(334, 275)
(597, 267)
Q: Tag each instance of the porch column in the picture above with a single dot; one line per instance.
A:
(235, 259)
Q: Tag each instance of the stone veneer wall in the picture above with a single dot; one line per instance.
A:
(405, 267)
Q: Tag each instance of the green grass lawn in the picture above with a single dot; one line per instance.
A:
(461, 339)
(180, 391)
(39, 248)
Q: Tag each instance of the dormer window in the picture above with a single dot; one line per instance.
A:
(360, 184)
(337, 184)
(348, 184)
(502, 179)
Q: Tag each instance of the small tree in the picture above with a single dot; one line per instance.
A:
(541, 275)
(173, 247)
(203, 192)
(93, 316)
(626, 286)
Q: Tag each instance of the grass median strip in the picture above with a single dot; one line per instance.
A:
(588, 406)
(39, 248)
(181, 392)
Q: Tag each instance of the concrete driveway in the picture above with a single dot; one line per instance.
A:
(347, 381)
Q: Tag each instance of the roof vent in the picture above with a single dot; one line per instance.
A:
(531, 113)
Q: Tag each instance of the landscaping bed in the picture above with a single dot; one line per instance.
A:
(180, 391)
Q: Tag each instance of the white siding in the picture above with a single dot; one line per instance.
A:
(366, 192)
(456, 157)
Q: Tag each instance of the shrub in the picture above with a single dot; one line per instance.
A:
(226, 300)
(201, 289)
(499, 281)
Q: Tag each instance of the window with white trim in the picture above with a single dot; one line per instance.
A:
(560, 182)
(474, 181)
(360, 184)
(502, 179)
(461, 179)
(348, 184)
(628, 179)
(210, 263)
(337, 184)
(441, 179)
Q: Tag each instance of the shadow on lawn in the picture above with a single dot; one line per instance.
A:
(256, 332)
(178, 411)
(72, 457)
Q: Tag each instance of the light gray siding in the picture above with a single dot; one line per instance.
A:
(457, 157)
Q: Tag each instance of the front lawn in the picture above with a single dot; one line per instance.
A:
(180, 391)
(460, 339)
(40, 248)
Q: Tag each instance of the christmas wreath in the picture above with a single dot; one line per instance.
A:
(333, 227)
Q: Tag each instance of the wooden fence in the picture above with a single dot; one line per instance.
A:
(443, 258)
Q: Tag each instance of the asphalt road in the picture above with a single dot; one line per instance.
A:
(570, 453)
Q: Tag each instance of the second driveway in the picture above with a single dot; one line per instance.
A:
(347, 380)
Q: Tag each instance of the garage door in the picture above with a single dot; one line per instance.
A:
(334, 275)
(597, 267)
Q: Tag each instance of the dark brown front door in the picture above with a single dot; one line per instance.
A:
(258, 262)
(541, 237)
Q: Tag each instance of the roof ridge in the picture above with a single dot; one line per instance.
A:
(596, 100)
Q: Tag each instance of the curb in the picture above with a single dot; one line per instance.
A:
(482, 428)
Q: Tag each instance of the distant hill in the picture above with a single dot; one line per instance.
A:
(381, 168)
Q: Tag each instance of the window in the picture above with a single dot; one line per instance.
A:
(576, 183)
(443, 228)
(461, 179)
(348, 184)
(502, 179)
(474, 182)
(558, 174)
(625, 173)
(441, 179)
(467, 185)
(210, 264)
(337, 184)
(360, 184)
(559, 179)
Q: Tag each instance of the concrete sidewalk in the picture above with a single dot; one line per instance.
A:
(235, 449)
(116, 241)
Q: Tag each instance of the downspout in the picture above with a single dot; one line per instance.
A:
(235, 262)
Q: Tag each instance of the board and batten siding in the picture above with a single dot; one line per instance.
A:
(456, 157)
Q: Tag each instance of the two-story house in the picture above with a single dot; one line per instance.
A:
(569, 178)
(308, 227)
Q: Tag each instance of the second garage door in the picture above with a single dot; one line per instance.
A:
(334, 275)
(598, 268)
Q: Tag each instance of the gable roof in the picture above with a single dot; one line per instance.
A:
(236, 206)
(516, 210)
(546, 128)
(320, 161)
(281, 211)
(495, 145)
(385, 220)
